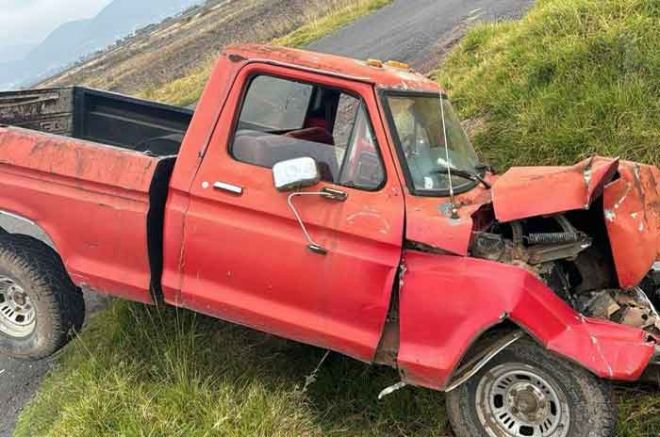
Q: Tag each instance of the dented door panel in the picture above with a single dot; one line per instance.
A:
(245, 258)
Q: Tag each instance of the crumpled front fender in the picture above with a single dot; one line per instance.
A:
(447, 301)
(631, 206)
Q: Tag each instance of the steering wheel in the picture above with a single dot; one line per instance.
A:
(408, 143)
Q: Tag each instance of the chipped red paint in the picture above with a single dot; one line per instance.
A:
(92, 202)
(244, 259)
(632, 216)
(446, 302)
(352, 69)
(524, 192)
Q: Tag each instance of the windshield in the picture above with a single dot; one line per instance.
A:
(417, 120)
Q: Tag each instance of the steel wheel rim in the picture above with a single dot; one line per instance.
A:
(17, 312)
(515, 399)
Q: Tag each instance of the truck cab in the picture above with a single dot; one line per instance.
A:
(339, 203)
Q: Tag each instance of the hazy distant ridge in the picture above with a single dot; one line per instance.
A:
(75, 39)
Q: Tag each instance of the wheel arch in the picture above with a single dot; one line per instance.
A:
(13, 223)
(463, 298)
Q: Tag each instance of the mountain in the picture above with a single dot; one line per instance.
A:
(13, 52)
(77, 39)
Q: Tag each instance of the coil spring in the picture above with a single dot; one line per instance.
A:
(553, 238)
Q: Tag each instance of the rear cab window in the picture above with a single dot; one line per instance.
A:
(282, 119)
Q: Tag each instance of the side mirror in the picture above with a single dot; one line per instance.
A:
(294, 174)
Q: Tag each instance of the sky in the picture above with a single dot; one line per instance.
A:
(30, 21)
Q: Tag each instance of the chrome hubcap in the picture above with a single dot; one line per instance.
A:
(516, 399)
(17, 313)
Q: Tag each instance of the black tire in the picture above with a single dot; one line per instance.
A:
(588, 399)
(58, 305)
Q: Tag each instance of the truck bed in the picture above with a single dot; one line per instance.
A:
(68, 163)
(98, 116)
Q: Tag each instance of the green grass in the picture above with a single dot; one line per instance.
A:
(570, 79)
(140, 371)
(137, 370)
(186, 90)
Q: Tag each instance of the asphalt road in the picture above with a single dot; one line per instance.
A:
(414, 31)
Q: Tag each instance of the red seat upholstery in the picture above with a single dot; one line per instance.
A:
(314, 134)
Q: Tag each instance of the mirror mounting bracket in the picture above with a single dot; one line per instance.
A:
(312, 245)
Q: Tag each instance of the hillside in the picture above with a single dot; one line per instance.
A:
(571, 79)
(179, 46)
(75, 39)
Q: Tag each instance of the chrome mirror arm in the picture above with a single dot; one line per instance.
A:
(311, 244)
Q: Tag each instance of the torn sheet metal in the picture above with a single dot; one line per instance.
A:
(630, 307)
(631, 201)
(525, 192)
(632, 215)
(458, 297)
(429, 220)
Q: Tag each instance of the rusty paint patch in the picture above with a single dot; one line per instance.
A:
(236, 58)
(77, 160)
(385, 77)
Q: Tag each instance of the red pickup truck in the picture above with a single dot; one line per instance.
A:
(338, 203)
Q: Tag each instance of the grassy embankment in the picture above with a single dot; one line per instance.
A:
(571, 78)
(186, 90)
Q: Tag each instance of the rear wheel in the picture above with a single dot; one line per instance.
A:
(40, 308)
(527, 391)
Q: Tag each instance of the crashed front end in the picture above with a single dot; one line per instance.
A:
(590, 231)
(550, 249)
(587, 236)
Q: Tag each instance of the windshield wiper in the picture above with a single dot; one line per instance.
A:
(464, 174)
(483, 166)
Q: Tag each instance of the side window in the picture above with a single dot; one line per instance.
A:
(276, 104)
(283, 119)
(346, 112)
(362, 167)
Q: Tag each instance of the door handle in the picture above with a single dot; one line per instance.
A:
(334, 194)
(229, 188)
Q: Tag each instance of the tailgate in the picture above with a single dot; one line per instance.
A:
(47, 110)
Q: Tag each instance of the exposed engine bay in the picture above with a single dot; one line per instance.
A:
(571, 253)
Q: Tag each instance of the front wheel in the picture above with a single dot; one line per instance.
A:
(528, 391)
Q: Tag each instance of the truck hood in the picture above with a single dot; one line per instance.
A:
(631, 208)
